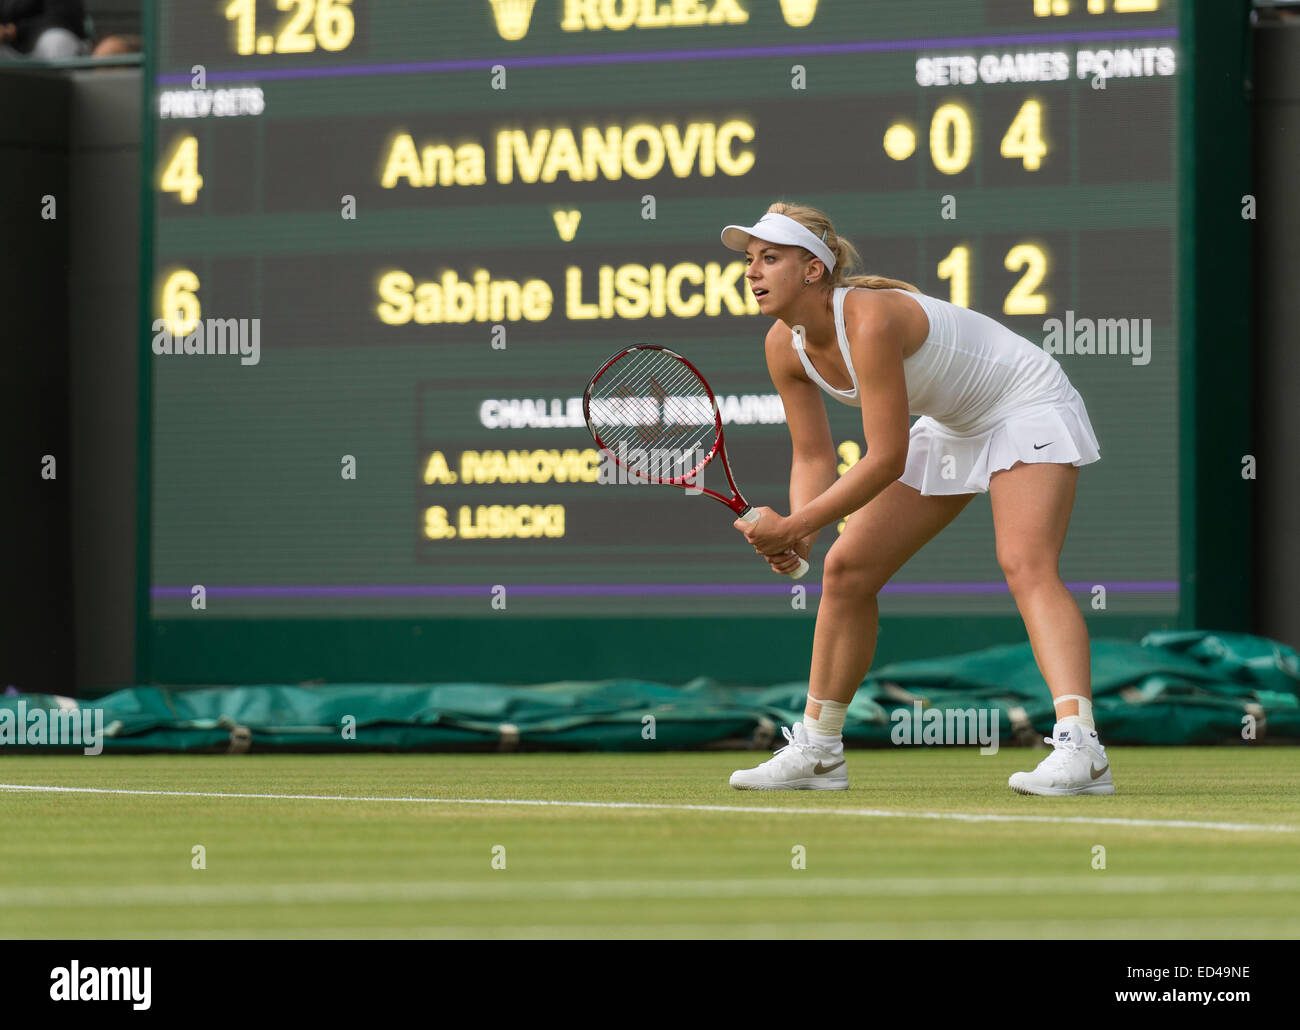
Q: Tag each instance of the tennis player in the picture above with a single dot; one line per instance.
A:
(998, 416)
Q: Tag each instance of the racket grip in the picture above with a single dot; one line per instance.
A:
(752, 516)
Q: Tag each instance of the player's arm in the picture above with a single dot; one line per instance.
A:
(813, 463)
(876, 345)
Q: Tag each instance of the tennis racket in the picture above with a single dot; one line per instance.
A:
(651, 411)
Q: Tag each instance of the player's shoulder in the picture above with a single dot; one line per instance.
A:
(875, 307)
(781, 357)
(779, 332)
(885, 319)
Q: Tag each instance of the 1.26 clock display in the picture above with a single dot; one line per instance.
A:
(327, 24)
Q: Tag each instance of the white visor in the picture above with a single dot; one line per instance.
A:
(774, 228)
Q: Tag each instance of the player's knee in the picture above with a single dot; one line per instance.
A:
(843, 576)
(1025, 569)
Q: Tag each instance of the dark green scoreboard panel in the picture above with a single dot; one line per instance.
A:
(415, 228)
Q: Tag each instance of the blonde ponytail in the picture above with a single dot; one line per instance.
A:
(875, 282)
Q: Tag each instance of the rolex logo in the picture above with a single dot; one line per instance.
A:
(799, 13)
(512, 17)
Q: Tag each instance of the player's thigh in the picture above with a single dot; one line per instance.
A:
(1031, 512)
(880, 537)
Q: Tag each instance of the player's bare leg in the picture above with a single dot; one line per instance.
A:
(1031, 513)
(876, 543)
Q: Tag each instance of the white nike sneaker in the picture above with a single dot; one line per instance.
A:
(800, 765)
(1077, 765)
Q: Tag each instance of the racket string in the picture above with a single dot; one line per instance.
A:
(656, 404)
(679, 451)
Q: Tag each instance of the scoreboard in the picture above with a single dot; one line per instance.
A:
(387, 244)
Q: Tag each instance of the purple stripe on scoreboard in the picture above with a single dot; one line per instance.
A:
(638, 57)
(630, 589)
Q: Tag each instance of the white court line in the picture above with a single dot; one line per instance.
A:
(306, 893)
(1174, 928)
(871, 813)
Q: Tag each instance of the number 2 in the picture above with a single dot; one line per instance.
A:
(292, 39)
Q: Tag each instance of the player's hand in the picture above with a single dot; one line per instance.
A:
(771, 534)
(785, 564)
(8, 32)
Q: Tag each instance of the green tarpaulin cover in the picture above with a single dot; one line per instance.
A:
(1171, 688)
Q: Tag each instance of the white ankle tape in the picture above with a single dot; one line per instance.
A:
(1085, 709)
(827, 717)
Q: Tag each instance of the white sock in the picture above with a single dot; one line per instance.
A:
(823, 722)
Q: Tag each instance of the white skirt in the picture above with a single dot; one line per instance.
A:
(940, 461)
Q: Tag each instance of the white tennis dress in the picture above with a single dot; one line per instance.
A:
(988, 399)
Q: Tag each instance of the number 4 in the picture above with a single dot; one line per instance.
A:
(181, 175)
(1025, 137)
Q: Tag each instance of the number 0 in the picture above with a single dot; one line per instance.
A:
(950, 157)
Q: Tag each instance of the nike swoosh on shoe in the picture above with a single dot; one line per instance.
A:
(820, 769)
